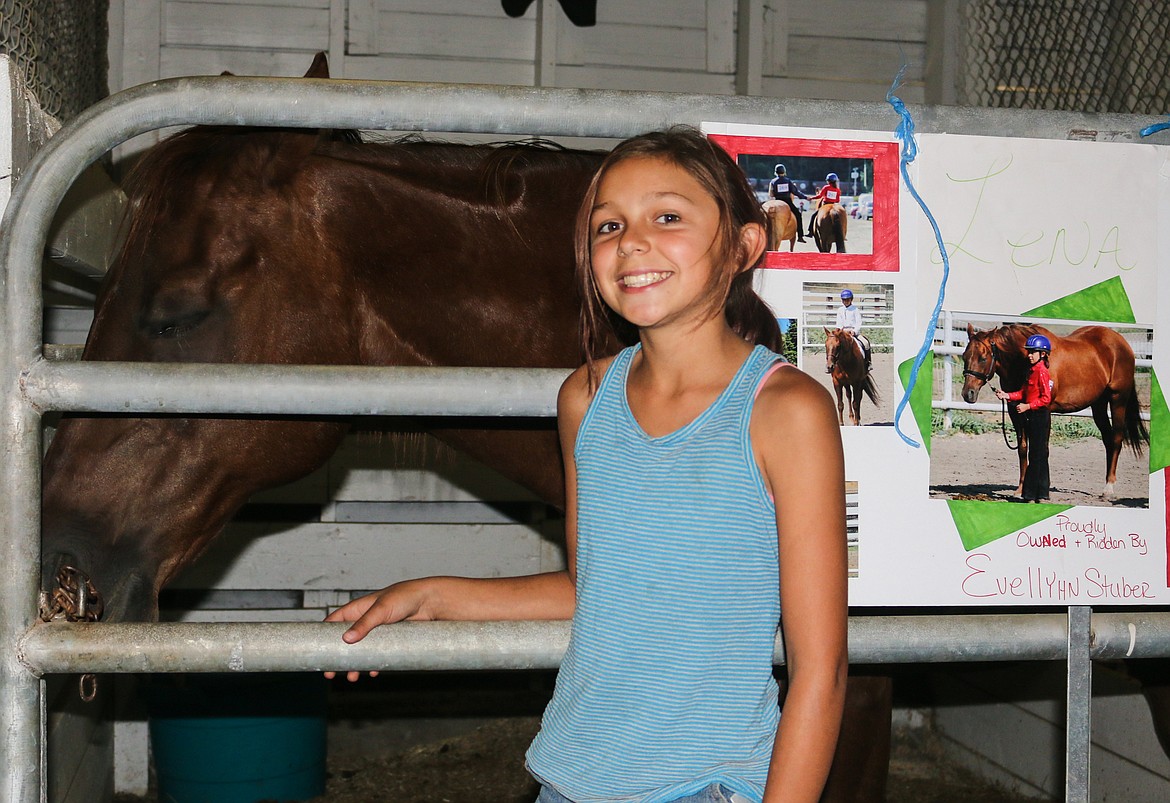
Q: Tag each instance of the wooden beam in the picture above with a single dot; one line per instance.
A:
(721, 36)
(941, 72)
(363, 27)
(777, 19)
(749, 34)
(337, 27)
(545, 64)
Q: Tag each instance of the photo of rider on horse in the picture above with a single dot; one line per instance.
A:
(814, 204)
(850, 328)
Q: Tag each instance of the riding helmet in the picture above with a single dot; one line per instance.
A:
(831, 177)
(780, 170)
(1038, 343)
(846, 294)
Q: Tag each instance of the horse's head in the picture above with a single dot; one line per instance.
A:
(222, 261)
(835, 340)
(980, 361)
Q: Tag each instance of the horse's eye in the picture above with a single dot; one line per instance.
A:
(169, 328)
(174, 311)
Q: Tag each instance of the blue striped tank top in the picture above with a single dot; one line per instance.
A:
(667, 684)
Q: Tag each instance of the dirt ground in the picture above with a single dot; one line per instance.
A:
(485, 766)
(885, 378)
(858, 238)
(461, 738)
(982, 467)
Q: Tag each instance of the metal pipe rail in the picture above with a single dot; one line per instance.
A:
(319, 390)
(28, 385)
(413, 646)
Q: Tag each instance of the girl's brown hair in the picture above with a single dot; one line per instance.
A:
(747, 314)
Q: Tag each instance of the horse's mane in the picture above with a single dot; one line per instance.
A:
(166, 175)
(494, 165)
(493, 173)
(1015, 332)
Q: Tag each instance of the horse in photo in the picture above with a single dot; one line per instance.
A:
(829, 226)
(781, 225)
(1092, 367)
(845, 361)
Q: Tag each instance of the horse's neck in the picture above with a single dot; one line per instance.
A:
(852, 348)
(426, 296)
(1012, 365)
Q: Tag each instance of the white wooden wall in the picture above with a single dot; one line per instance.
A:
(833, 49)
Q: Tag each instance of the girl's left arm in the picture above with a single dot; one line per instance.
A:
(798, 445)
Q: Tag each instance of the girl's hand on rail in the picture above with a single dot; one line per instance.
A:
(396, 603)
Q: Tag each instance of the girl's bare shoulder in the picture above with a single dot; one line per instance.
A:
(577, 390)
(790, 398)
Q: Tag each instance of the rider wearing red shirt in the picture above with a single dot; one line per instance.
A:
(830, 193)
(1035, 399)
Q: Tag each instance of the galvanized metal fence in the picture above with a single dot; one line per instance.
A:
(31, 386)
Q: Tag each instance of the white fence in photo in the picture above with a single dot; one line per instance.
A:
(819, 311)
(950, 340)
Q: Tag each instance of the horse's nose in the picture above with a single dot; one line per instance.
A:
(970, 394)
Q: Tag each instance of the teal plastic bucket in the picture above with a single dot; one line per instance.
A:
(238, 738)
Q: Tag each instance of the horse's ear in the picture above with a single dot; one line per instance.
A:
(320, 66)
(320, 69)
(828, 331)
(971, 330)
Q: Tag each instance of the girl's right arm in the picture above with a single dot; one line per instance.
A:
(539, 596)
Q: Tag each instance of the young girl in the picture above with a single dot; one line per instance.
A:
(1035, 398)
(830, 193)
(705, 493)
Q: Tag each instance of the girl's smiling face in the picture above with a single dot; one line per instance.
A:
(654, 244)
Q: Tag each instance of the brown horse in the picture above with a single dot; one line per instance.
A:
(829, 226)
(304, 247)
(845, 361)
(781, 225)
(1092, 367)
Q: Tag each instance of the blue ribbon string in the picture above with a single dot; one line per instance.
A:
(1155, 128)
(905, 133)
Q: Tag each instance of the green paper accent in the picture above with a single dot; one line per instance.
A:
(1159, 426)
(980, 522)
(920, 397)
(1106, 301)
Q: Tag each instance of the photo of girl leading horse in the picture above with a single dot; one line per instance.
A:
(998, 448)
(686, 535)
(1033, 402)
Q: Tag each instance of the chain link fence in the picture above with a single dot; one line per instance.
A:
(60, 48)
(1073, 55)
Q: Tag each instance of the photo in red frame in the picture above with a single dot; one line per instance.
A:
(867, 174)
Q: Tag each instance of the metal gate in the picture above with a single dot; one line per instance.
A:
(32, 386)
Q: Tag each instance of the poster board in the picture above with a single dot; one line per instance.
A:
(1059, 234)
